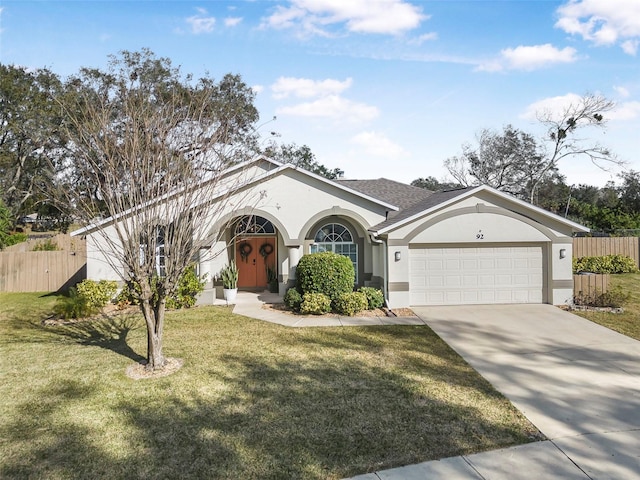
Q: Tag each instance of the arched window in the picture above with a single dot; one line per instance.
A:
(336, 238)
(254, 225)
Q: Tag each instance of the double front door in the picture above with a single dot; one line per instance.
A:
(255, 257)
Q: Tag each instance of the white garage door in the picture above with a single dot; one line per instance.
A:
(454, 276)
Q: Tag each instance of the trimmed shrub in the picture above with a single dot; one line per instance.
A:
(605, 264)
(73, 306)
(327, 273)
(375, 297)
(97, 294)
(293, 299)
(614, 298)
(315, 304)
(351, 303)
(188, 287)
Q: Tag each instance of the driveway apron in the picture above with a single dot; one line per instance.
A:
(578, 382)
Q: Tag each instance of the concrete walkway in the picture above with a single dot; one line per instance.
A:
(252, 305)
(579, 383)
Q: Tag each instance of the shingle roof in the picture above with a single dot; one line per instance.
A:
(409, 199)
(399, 194)
(436, 198)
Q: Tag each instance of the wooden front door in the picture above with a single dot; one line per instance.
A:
(253, 256)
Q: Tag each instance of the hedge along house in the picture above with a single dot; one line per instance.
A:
(468, 246)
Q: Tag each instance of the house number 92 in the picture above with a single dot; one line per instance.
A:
(479, 235)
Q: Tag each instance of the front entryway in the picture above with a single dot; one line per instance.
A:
(256, 260)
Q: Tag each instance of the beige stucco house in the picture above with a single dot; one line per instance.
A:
(474, 245)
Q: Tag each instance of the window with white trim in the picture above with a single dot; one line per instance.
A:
(336, 238)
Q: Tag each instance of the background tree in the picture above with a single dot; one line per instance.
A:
(509, 161)
(149, 146)
(433, 184)
(563, 140)
(515, 162)
(30, 136)
(301, 157)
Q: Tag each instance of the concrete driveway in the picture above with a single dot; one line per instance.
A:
(579, 383)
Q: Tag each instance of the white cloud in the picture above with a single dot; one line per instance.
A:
(622, 91)
(232, 21)
(555, 107)
(529, 58)
(307, 88)
(552, 106)
(201, 23)
(379, 145)
(313, 17)
(630, 47)
(425, 37)
(603, 22)
(257, 89)
(625, 111)
(334, 107)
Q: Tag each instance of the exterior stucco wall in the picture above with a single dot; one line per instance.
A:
(98, 267)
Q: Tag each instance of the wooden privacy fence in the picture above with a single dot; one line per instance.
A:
(588, 286)
(599, 246)
(24, 270)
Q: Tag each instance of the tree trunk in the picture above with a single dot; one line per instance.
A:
(154, 318)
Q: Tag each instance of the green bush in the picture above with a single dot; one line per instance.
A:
(327, 273)
(315, 304)
(97, 294)
(13, 239)
(614, 298)
(375, 297)
(293, 299)
(47, 245)
(351, 303)
(73, 306)
(188, 287)
(605, 264)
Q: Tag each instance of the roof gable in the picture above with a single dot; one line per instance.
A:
(441, 199)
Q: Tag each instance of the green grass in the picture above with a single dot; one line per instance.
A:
(253, 400)
(628, 322)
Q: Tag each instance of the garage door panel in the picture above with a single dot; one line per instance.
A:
(476, 275)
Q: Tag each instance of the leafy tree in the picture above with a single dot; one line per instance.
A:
(149, 145)
(30, 136)
(301, 157)
(5, 225)
(509, 161)
(431, 183)
(630, 191)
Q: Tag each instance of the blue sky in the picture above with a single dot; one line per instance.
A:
(379, 88)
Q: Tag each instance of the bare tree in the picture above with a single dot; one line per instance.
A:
(515, 162)
(150, 149)
(562, 138)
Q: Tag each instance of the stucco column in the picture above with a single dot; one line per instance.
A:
(294, 258)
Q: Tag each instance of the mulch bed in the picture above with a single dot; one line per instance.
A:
(378, 312)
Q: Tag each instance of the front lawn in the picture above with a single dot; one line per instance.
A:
(628, 322)
(253, 400)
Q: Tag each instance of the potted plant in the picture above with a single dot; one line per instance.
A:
(229, 275)
(272, 278)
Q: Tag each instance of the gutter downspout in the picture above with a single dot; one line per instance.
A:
(385, 267)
